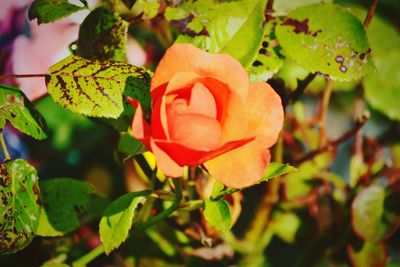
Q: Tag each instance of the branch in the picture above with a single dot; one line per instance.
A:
(371, 12)
(269, 10)
(347, 135)
(7, 76)
(301, 87)
(3, 146)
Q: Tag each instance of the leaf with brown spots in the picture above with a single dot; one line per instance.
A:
(19, 205)
(328, 39)
(90, 87)
(64, 199)
(16, 108)
(51, 10)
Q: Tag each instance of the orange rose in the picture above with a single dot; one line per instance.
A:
(205, 111)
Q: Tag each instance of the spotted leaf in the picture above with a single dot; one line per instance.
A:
(90, 87)
(51, 10)
(328, 39)
(64, 199)
(103, 36)
(20, 205)
(16, 108)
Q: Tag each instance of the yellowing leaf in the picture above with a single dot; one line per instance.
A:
(90, 87)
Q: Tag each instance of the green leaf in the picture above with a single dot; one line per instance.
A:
(130, 146)
(90, 87)
(102, 36)
(285, 225)
(328, 39)
(148, 7)
(369, 219)
(138, 89)
(118, 218)
(20, 205)
(368, 255)
(283, 7)
(194, 16)
(64, 199)
(237, 30)
(218, 214)
(51, 10)
(54, 264)
(268, 60)
(233, 27)
(382, 88)
(16, 108)
(201, 41)
(274, 169)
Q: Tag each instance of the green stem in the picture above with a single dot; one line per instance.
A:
(153, 220)
(3, 146)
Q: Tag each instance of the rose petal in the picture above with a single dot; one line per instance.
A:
(140, 128)
(265, 113)
(159, 128)
(191, 157)
(188, 58)
(194, 130)
(240, 167)
(164, 162)
(197, 100)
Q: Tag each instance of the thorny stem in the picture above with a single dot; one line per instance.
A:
(347, 135)
(301, 87)
(371, 12)
(153, 220)
(323, 138)
(3, 146)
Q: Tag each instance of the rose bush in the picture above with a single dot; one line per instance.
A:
(206, 112)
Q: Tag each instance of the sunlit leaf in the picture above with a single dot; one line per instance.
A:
(283, 7)
(148, 7)
(51, 10)
(231, 27)
(369, 218)
(382, 88)
(268, 60)
(16, 108)
(54, 264)
(90, 87)
(118, 218)
(328, 39)
(237, 29)
(63, 199)
(218, 214)
(102, 36)
(369, 254)
(20, 205)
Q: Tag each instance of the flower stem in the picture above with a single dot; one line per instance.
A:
(3, 146)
